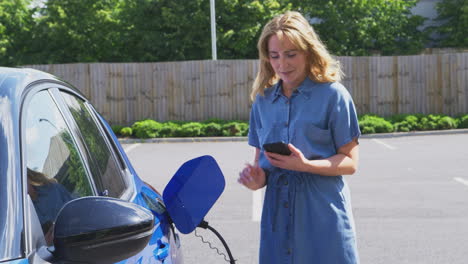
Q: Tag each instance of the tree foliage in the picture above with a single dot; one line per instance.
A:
(165, 30)
(454, 17)
(16, 20)
(66, 31)
(76, 31)
(363, 27)
(239, 25)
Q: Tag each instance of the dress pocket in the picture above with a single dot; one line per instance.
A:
(315, 142)
(313, 133)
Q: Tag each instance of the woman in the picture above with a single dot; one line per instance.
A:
(307, 215)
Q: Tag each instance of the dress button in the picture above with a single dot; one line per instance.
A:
(285, 182)
(286, 205)
(289, 251)
(286, 124)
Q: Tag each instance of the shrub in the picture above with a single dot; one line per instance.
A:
(244, 129)
(427, 123)
(146, 128)
(215, 120)
(367, 130)
(374, 124)
(117, 129)
(403, 126)
(212, 130)
(168, 129)
(434, 118)
(368, 124)
(405, 123)
(126, 131)
(446, 122)
(191, 129)
(176, 122)
(404, 117)
(463, 121)
(234, 129)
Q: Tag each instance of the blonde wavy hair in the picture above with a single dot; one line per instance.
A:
(293, 26)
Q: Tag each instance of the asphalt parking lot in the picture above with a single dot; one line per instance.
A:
(410, 198)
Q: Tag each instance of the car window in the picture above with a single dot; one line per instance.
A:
(55, 170)
(107, 173)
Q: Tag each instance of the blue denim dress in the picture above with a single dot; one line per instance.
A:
(307, 218)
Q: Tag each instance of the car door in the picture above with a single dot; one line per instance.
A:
(55, 169)
(114, 177)
(66, 155)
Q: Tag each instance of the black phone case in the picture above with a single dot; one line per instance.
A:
(277, 147)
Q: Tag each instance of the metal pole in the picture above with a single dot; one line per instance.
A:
(213, 30)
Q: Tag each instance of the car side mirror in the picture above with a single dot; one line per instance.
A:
(192, 191)
(101, 230)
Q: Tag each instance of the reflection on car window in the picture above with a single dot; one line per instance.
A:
(55, 170)
(106, 171)
(48, 197)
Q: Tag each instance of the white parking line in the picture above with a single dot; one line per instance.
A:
(131, 147)
(461, 180)
(384, 144)
(257, 205)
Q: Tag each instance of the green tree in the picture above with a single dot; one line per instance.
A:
(76, 31)
(239, 25)
(363, 27)
(16, 20)
(454, 17)
(67, 31)
(165, 30)
(171, 30)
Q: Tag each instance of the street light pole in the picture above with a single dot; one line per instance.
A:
(213, 30)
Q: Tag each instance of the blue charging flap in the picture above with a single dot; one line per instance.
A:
(192, 191)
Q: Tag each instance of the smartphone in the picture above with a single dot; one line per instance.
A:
(277, 147)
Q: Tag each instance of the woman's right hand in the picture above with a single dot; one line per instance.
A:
(252, 177)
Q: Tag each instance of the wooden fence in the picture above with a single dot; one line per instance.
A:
(198, 90)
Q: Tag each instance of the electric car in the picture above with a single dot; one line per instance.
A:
(68, 192)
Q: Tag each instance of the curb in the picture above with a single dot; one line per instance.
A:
(181, 140)
(235, 139)
(417, 133)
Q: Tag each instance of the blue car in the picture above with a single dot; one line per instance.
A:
(68, 192)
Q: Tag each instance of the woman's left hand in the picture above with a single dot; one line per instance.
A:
(296, 161)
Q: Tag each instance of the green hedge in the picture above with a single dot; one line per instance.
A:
(368, 124)
(211, 128)
(406, 122)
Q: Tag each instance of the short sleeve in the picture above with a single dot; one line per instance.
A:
(343, 120)
(253, 127)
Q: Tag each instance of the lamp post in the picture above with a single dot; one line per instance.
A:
(213, 30)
